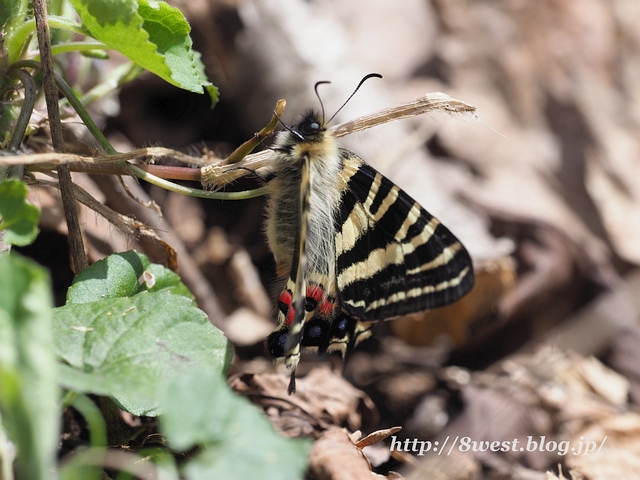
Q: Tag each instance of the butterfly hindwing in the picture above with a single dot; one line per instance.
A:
(393, 257)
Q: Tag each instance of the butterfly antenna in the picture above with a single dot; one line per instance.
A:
(366, 77)
(322, 82)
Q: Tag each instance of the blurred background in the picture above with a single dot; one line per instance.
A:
(542, 186)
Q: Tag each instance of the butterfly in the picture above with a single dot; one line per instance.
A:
(353, 246)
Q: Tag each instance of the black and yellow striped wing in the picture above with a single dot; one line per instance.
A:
(393, 257)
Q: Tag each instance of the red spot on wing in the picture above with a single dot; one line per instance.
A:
(285, 298)
(327, 306)
(315, 291)
(284, 303)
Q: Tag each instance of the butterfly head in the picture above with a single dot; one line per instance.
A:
(310, 128)
(308, 138)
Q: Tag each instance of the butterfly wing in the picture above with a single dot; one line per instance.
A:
(393, 257)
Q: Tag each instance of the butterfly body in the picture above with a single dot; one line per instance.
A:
(283, 218)
(355, 248)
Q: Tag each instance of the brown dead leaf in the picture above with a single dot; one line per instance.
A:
(457, 466)
(334, 456)
(322, 399)
(563, 397)
(376, 437)
(615, 448)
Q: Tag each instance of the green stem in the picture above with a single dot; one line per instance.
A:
(93, 417)
(116, 78)
(174, 187)
(74, 47)
(22, 122)
(68, 399)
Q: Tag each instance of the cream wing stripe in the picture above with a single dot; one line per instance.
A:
(415, 292)
(394, 253)
(445, 257)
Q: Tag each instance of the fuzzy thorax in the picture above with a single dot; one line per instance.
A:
(309, 139)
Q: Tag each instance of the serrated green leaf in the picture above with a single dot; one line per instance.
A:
(28, 390)
(236, 439)
(121, 275)
(153, 34)
(132, 345)
(19, 217)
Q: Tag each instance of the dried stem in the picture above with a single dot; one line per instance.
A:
(210, 174)
(50, 160)
(221, 174)
(431, 102)
(78, 254)
(247, 147)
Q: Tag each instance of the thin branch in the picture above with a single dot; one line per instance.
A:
(45, 160)
(151, 203)
(76, 244)
(46, 68)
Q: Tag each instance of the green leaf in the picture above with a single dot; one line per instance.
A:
(19, 217)
(127, 325)
(28, 391)
(237, 440)
(126, 347)
(214, 94)
(153, 34)
(12, 13)
(123, 275)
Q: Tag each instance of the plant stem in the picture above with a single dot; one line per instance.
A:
(76, 244)
(27, 108)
